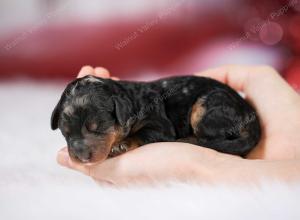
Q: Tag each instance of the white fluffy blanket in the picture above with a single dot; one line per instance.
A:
(33, 186)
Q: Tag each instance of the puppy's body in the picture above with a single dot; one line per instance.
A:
(127, 115)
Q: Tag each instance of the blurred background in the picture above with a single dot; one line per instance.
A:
(142, 39)
(44, 43)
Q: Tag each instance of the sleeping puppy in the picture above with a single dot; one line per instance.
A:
(102, 118)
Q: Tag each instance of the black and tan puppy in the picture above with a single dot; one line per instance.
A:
(101, 118)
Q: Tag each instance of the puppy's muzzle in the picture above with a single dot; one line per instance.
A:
(79, 151)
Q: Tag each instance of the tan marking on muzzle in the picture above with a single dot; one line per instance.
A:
(115, 135)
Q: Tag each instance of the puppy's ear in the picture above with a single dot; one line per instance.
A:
(58, 107)
(55, 116)
(57, 110)
(123, 110)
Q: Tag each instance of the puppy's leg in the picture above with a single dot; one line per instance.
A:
(160, 130)
(128, 144)
(197, 114)
(223, 124)
(198, 111)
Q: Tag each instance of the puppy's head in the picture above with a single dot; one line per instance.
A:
(91, 118)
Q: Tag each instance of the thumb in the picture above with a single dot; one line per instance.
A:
(104, 173)
(64, 159)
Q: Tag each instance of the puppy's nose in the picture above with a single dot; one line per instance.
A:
(80, 151)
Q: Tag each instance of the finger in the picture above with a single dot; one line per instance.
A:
(101, 72)
(85, 70)
(64, 159)
(233, 75)
(247, 78)
(103, 173)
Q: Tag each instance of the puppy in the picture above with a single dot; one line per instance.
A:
(102, 118)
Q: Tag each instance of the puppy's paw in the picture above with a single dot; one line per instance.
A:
(118, 149)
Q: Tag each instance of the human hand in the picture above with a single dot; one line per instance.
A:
(157, 163)
(180, 161)
(149, 164)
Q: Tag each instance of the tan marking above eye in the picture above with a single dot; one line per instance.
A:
(68, 110)
(92, 126)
